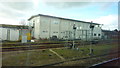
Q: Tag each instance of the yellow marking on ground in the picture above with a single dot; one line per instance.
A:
(57, 54)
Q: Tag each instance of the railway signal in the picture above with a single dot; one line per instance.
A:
(91, 27)
(74, 28)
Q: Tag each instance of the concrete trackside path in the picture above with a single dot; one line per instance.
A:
(57, 54)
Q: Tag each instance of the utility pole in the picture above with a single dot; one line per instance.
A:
(74, 28)
(91, 27)
(28, 53)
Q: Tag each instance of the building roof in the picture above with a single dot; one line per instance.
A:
(61, 18)
(13, 26)
(109, 32)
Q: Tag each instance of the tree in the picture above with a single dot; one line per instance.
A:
(116, 30)
(22, 22)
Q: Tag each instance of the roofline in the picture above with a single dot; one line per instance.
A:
(60, 18)
(12, 26)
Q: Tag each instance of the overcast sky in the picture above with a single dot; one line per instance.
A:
(106, 13)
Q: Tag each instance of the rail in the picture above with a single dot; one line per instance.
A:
(78, 59)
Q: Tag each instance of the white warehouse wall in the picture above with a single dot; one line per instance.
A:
(3, 33)
(64, 28)
(36, 30)
(14, 34)
(10, 34)
(55, 27)
(97, 30)
(46, 27)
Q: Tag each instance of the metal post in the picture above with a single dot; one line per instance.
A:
(74, 28)
(28, 53)
(74, 40)
(86, 35)
(91, 41)
(91, 27)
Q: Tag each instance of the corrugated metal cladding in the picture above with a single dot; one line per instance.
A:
(3, 33)
(9, 34)
(12, 34)
(46, 27)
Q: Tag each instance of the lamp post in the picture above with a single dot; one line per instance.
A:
(74, 28)
(91, 27)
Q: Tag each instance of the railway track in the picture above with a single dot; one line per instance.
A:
(57, 45)
(30, 48)
(85, 58)
(36, 43)
(21, 44)
(115, 62)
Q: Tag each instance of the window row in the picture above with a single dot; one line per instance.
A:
(96, 34)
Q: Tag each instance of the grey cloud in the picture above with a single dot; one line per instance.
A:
(9, 14)
(15, 9)
(67, 4)
(19, 5)
(106, 5)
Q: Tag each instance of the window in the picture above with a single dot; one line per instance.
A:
(33, 20)
(94, 34)
(62, 32)
(55, 32)
(98, 25)
(55, 22)
(98, 34)
(66, 36)
(45, 31)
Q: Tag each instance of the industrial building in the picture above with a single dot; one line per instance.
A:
(13, 32)
(46, 27)
(111, 35)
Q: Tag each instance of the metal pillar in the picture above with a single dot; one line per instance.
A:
(28, 52)
(86, 35)
(91, 27)
(74, 40)
(74, 28)
(91, 41)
